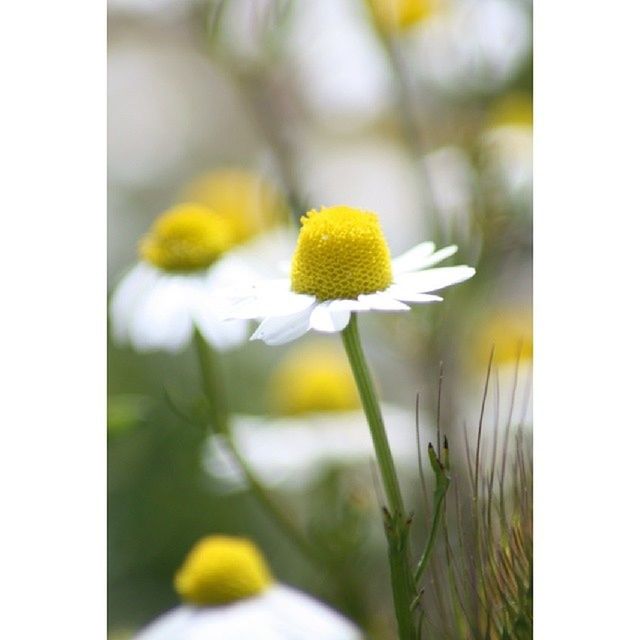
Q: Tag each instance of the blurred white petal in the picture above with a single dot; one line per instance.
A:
(294, 451)
(128, 293)
(162, 319)
(280, 613)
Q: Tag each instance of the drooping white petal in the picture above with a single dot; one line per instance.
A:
(413, 259)
(409, 295)
(276, 330)
(327, 319)
(382, 301)
(127, 296)
(163, 319)
(434, 279)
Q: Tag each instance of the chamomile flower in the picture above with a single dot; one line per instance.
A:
(228, 592)
(172, 289)
(342, 264)
(315, 423)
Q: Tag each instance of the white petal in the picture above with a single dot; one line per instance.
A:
(127, 296)
(382, 301)
(222, 334)
(434, 279)
(440, 255)
(327, 319)
(295, 614)
(163, 319)
(409, 295)
(276, 330)
(413, 259)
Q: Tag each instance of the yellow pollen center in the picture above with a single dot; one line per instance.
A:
(188, 237)
(341, 253)
(313, 379)
(220, 570)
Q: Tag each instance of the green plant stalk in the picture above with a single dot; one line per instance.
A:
(442, 484)
(218, 414)
(396, 522)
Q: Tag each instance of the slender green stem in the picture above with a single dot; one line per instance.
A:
(442, 484)
(214, 391)
(396, 522)
(351, 340)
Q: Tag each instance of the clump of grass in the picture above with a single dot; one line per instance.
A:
(479, 583)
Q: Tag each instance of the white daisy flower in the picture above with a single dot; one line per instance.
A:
(316, 423)
(229, 593)
(171, 290)
(342, 264)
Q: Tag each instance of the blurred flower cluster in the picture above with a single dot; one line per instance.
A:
(234, 127)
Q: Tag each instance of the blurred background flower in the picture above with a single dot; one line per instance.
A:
(315, 427)
(259, 111)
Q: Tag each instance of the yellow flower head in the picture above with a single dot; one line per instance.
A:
(396, 15)
(312, 379)
(511, 332)
(221, 569)
(341, 253)
(188, 237)
(246, 200)
(514, 109)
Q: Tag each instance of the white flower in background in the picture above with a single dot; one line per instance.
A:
(316, 423)
(229, 593)
(342, 264)
(191, 253)
(172, 289)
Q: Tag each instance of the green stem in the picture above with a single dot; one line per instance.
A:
(218, 414)
(353, 347)
(442, 484)
(396, 522)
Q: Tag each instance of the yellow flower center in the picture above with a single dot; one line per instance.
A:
(393, 15)
(312, 379)
(246, 200)
(220, 569)
(188, 237)
(341, 253)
